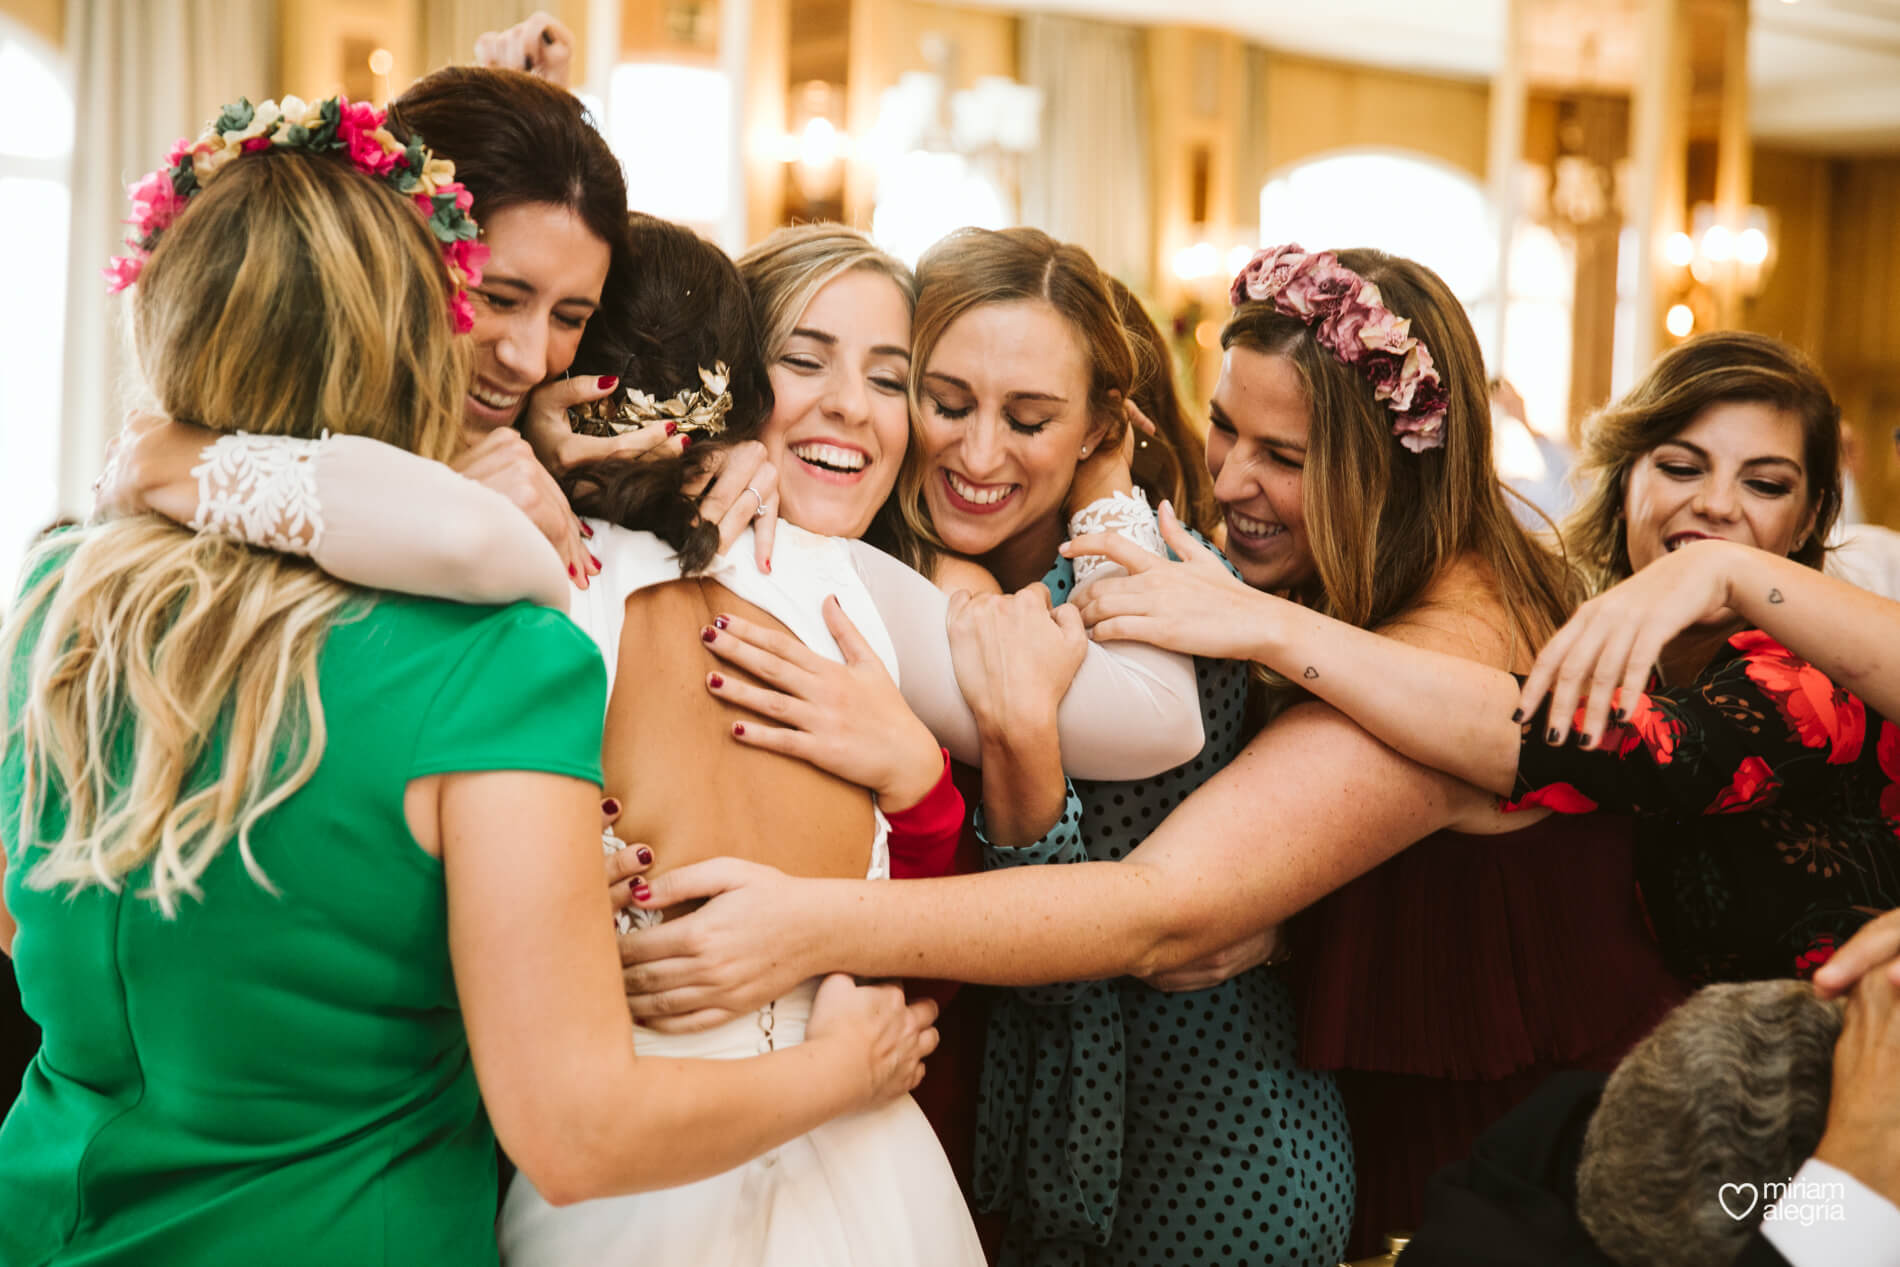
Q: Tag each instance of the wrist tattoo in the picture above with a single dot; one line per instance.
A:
(1774, 596)
(1310, 673)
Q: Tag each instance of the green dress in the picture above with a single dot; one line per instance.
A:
(284, 1078)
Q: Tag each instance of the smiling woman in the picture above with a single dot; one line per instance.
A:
(541, 284)
(1731, 435)
(835, 316)
(552, 203)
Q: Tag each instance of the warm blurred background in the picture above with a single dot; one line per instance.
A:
(1594, 178)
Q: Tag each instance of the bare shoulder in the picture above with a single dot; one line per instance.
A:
(955, 574)
(1462, 613)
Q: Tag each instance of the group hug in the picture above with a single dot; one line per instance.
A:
(557, 747)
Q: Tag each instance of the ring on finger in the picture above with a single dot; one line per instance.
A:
(756, 497)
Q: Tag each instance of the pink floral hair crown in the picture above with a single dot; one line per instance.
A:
(335, 125)
(1350, 320)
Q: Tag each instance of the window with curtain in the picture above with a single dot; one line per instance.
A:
(36, 142)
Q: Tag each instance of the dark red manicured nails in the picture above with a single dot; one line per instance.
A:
(738, 728)
(607, 382)
(715, 681)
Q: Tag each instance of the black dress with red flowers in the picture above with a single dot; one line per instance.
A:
(1767, 807)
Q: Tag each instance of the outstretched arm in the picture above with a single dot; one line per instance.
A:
(1850, 634)
(1446, 711)
(1312, 802)
(365, 512)
(1132, 711)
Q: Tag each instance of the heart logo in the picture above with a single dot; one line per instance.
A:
(1738, 1189)
(1311, 673)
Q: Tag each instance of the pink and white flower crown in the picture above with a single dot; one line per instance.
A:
(336, 125)
(1350, 320)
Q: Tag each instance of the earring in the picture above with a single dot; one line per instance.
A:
(1085, 450)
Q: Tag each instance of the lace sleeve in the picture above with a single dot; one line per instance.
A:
(261, 490)
(1132, 712)
(378, 516)
(1126, 514)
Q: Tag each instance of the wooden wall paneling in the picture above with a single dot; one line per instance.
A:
(1313, 107)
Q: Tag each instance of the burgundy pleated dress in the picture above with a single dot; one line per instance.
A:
(1444, 986)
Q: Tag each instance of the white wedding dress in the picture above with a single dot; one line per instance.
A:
(871, 1189)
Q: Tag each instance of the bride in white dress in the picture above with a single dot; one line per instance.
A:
(871, 1189)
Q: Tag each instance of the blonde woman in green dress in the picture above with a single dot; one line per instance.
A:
(288, 865)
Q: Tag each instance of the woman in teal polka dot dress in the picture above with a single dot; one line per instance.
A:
(1121, 1124)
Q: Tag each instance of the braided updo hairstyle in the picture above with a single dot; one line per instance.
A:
(684, 308)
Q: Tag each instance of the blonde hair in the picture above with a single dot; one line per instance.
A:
(1690, 378)
(293, 296)
(973, 267)
(1383, 521)
(788, 269)
(783, 274)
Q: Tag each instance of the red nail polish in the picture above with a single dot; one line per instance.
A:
(607, 381)
(738, 728)
(641, 893)
(572, 575)
(610, 806)
(594, 561)
(720, 622)
(644, 854)
(715, 681)
(685, 441)
(707, 635)
(586, 531)
(672, 427)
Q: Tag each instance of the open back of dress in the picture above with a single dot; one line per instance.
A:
(691, 790)
(870, 1189)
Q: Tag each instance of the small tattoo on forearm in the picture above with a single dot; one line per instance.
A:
(1774, 596)
(1310, 673)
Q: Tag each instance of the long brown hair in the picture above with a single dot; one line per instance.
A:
(973, 267)
(685, 310)
(1708, 370)
(1173, 463)
(1382, 521)
(292, 296)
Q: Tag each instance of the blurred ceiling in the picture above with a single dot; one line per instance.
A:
(1824, 74)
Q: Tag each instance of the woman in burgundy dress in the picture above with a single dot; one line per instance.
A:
(1759, 767)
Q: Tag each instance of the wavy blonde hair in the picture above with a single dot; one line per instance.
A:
(293, 296)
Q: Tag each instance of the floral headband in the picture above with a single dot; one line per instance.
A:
(1350, 320)
(334, 125)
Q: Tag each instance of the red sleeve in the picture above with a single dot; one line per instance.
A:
(924, 837)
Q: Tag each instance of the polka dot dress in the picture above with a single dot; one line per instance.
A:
(1121, 1125)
